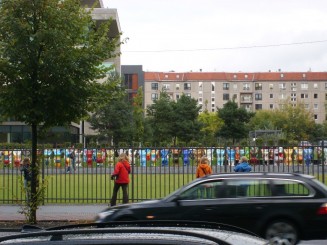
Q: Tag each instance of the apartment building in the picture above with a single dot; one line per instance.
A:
(253, 91)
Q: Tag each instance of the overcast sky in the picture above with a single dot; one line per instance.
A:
(223, 35)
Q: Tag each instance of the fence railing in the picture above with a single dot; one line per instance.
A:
(156, 172)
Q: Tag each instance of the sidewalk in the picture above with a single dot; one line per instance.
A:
(53, 212)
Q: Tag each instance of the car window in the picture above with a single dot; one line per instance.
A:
(290, 188)
(204, 190)
(247, 188)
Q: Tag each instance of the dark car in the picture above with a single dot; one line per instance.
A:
(137, 232)
(281, 207)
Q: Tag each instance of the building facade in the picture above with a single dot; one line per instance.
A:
(253, 91)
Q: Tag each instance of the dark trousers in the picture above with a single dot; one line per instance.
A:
(115, 191)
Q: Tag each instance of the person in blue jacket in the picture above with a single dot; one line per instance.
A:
(244, 166)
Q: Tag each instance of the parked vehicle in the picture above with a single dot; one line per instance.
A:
(280, 207)
(137, 232)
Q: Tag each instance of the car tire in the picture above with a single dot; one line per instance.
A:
(281, 232)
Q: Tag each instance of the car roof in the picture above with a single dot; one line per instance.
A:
(293, 175)
(146, 232)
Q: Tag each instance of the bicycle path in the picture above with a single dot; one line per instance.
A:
(60, 212)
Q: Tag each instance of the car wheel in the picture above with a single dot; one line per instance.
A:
(282, 232)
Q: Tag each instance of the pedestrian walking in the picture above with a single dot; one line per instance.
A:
(244, 166)
(121, 178)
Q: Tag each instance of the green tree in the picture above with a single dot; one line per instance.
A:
(296, 121)
(210, 126)
(186, 126)
(112, 116)
(50, 57)
(138, 113)
(160, 117)
(235, 119)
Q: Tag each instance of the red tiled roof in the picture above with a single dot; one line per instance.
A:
(236, 76)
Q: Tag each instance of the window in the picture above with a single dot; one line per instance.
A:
(225, 86)
(225, 96)
(304, 86)
(213, 105)
(246, 86)
(315, 85)
(213, 99)
(304, 96)
(258, 86)
(235, 86)
(315, 116)
(271, 96)
(315, 96)
(212, 87)
(177, 86)
(315, 106)
(293, 96)
(325, 85)
(289, 188)
(200, 99)
(247, 188)
(282, 96)
(258, 106)
(282, 86)
(177, 96)
(246, 98)
(200, 86)
(213, 109)
(271, 106)
(258, 96)
(165, 87)
(154, 86)
(188, 94)
(187, 86)
(154, 97)
(271, 85)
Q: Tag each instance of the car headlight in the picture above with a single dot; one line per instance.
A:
(105, 214)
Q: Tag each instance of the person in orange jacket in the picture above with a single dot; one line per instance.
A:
(203, 167)
(121, 177)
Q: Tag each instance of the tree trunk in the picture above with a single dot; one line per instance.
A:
(34, 170)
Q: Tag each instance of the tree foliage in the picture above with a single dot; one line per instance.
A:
(138, 113)
(160, 117)
(235, 119)
(112, 116)
(186, 127)
(296, 122)
(50, 58)
(210, 125)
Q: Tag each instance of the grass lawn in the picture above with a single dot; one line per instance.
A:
(94, 188)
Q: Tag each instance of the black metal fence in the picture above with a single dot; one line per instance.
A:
(155, 171)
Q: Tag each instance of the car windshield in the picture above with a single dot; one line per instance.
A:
(179, 190)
